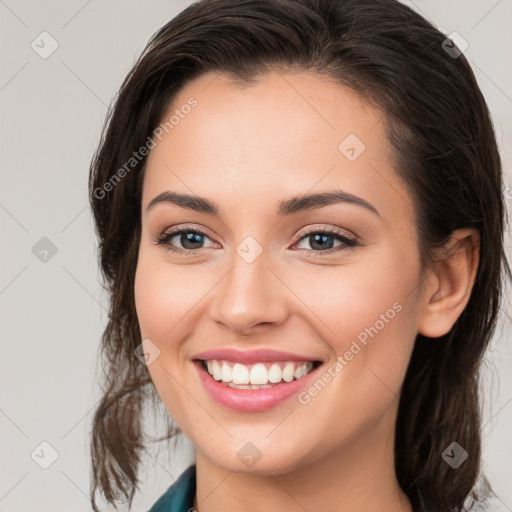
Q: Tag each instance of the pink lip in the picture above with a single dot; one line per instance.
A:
(251, 400)
(251, 356)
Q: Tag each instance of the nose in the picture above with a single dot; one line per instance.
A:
(249, 298)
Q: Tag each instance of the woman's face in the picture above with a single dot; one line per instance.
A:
(282, 280)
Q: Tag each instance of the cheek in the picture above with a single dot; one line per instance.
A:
(361, 302)
(162, 299)
(373, 326)
(367, 314)
(164, 296)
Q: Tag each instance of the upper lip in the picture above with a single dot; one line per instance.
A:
(251, 356)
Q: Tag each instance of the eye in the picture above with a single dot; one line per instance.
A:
(190, 239)
(323, 241)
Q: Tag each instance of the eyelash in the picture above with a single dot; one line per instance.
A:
(163, 240)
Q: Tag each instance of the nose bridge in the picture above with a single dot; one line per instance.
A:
(250, 294)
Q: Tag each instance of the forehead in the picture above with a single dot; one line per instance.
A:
(286, 134)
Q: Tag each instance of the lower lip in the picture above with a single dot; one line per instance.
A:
(251, 400)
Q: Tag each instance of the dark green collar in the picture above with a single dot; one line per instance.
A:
(180, 495)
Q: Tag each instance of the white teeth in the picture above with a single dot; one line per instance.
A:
(288, 372)
(300, 371)
(274, 374)
(257, 375)
(226, 372)
(240, 374)
(216, 370)
(248, 386)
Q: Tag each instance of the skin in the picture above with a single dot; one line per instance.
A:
(247, 149)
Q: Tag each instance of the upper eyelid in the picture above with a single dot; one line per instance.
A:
(174, 230)
(331, 230)
(311, 229)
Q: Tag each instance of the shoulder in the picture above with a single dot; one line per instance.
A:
(179, 497)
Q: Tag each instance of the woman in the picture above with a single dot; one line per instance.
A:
(300, 214)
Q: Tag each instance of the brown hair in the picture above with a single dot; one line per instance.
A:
(444, 148)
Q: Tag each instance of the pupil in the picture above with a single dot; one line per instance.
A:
(320, 240)
(190, 238)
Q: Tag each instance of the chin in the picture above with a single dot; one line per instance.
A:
(255, 459)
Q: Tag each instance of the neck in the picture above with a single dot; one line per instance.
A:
(359, 475)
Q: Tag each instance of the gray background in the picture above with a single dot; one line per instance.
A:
(53, 312)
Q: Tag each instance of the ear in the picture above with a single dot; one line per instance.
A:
(449, 284)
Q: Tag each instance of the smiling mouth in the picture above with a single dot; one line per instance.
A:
(260, 375)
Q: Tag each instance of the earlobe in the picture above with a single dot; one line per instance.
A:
(450, 283)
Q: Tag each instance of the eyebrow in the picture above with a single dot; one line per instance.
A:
(285, 208)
